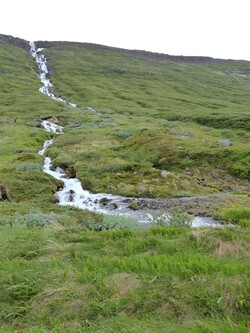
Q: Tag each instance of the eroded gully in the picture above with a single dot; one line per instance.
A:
(72, 192)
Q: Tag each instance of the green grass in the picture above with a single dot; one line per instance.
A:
(150, 114)
(236, 215)
(137, 115)
(70, 279)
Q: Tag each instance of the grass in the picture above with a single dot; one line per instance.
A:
(70, 279)
(141, 115)
(144, 126)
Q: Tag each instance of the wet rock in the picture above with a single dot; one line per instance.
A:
(71, 172)
(104, 201)
(114, 205)
(133, 205)
(71, 195)
(60, 185)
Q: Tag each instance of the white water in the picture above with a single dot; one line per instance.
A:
(41, 61)
(72, 193)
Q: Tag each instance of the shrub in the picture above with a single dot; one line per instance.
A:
(28, 166)
(35, 218)
(240, 170)
(33, 123)
(125, 134)
(111, 222)
(177, 218)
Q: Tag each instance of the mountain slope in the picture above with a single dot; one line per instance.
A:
(143, 112)
(145, 125)
(138, 113)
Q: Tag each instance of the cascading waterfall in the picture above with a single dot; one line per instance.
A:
(41, 60)
(72, 193)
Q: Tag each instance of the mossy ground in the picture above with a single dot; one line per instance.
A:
(136, 116)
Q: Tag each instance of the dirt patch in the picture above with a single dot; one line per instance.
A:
(236, 249)
(123, 284)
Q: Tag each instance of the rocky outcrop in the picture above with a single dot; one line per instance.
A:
(10, 40)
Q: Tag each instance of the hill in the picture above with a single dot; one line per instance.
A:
(145, 125)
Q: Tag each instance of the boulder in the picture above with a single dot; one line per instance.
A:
(225, 142)
(164, 174)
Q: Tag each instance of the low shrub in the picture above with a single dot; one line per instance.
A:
(35, 218)
(125, 134)
(28, 166)
(111, 222)
(176, 218)
(240, 170)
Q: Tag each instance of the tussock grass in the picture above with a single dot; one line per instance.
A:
(56, 277)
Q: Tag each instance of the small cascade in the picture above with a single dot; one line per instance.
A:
(41, 61)
(72, 192)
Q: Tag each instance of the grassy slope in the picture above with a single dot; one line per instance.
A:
(22, 107)
(63, 278)
(153, 114)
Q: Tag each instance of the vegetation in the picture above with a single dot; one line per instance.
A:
(65, 278)
(145, 125)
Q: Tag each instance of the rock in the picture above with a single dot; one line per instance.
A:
(151, 190)
(133, 205)
(104, 201)
(187, 173)
(3, 194)
(71, 195)
(164, 174)
(76, 124)
(71, 172)
(189, 133)
(225, 142)
(201, 182)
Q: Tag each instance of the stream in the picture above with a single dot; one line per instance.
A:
(72, 192)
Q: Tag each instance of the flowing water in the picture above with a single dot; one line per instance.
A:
(72, 192)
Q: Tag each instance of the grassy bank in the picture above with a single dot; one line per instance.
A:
(64, 278)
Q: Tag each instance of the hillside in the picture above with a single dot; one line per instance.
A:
(168, 131)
